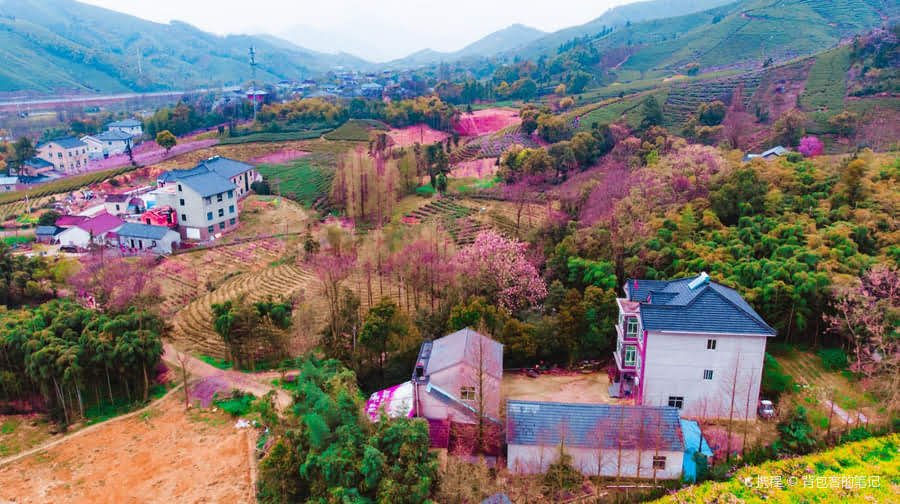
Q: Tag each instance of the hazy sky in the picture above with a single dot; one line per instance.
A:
(377, 30)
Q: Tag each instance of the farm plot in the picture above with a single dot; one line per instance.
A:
(820, 385)
(490, 146)
(162, 455)
(305, 180)
(684, 99)
(827, 83)
(629, 110)
(265, 215)
(420, 134)
(483, 122)
(478, 168)
(356, 130)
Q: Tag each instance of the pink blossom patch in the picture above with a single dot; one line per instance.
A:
(282, 156)
(482, 122)
(478, 168)
(416, 134)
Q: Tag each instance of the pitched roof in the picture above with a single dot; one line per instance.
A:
(125, 123)
(68, 142)
(101, 223)
(465, 345)
(172, 175)
(38, 163)
(113, 136)
(47, 230)
(208, 184)
(605, 426)
(146, 231)
(225, 167)
(9, 180)
(709, 307)
(117, 198)
(70, 220)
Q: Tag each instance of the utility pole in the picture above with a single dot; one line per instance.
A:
(253, 81)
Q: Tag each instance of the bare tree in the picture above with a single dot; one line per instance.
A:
(183, 359)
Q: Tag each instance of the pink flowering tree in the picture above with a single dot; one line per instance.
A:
(810, 146)
(497, 267)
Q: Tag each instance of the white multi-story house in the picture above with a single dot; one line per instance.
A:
(132, 127)
(692, 344)
(108, 143)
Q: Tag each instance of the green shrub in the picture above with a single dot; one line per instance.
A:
(796, 433)
(775, 380)
(426, 190)
(238, 405)
(833, 359)
(857, 434)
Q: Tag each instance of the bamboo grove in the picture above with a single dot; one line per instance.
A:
(69, 359)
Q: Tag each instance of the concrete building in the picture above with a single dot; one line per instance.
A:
(206, 203)
(108, 143)
(606, 439)
(8, 184)
(691, 344)
(123, 204)
(144, 237)
(132, 127)
(67, 155)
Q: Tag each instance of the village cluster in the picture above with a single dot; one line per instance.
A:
(687, 348)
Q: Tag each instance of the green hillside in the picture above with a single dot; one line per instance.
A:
(56, 45)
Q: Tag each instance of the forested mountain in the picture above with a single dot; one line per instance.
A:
(50, 45)
(508, 39)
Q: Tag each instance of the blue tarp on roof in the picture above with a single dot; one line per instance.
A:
(693, 442)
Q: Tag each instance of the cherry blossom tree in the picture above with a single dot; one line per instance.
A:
(810, 146)
(497, 267)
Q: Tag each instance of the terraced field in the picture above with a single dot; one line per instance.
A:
(827, 83)
(684, 99)
(192, 326)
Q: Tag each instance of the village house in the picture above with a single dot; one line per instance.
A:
(769, 155)
(242, 175)
(691, 344)
(36, 167)
(8, 184)
(206, 203)
(67, 155)
(47, 234)
(456, 378)
(108, 143)
(605, 439)
(136, 237)
(67, 221)
(94, 230)
(123, 204)
(132, 127)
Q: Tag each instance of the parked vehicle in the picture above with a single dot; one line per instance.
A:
(765, 409)
(68, 248)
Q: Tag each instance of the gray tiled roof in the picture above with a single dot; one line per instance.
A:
(68, 142)
(605, 426)
(464, 346)
(173, 175)
(225, 167)
(113, 136)
(47, 230)
(208, 184)
(146, 231)
(125, 123)
(709, 308)
(38, 163)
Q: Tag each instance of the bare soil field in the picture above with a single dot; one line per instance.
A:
(575, 388)
(270, 215)
(163, 455)
(420, 134)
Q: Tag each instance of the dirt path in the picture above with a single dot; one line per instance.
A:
(241, 381)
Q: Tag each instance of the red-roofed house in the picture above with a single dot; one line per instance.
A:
(67, 221)
(95, 229)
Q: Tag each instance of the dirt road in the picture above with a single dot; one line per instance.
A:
(241, 381)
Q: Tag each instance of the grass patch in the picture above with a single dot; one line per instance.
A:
(283, 136)
(17, 240)
(105, 410)
(827, 84)
(216, 363)
(9, 426)
(356, 130)
(303, 180)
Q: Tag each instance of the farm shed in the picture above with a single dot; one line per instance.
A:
(605, 439)
(159, 239)
(46, 234)
(694, 442)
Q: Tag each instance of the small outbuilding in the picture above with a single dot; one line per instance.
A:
(605, 439)
(47, 234)
(144, 237)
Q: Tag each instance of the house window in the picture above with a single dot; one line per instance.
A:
(117, 207)
(230, 208)
(710, 344)
(231, 194)
(707, 374)
(183, 217)
(181, 201)
(207, 200)
(222, 225)
(467, 393)
(179, 187)
(632, 328)
(676, 401)
(221, 212)
(208, 215)
(659, 462)
(232, 221)
(219, 197)
(211, 229)
(630, 354)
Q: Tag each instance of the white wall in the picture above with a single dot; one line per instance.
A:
(75, 236)
(674, 367)
(526, 459)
